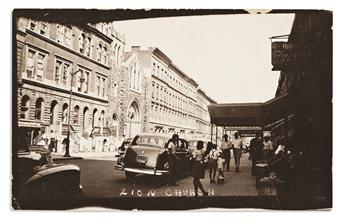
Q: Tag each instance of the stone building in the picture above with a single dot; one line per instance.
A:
(54, 60)
(163, 99)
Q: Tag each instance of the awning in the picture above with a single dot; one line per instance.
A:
(249, 114)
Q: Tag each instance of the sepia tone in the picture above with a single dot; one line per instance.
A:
(82, 104)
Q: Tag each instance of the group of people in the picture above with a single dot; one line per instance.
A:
(260, 150)
(49, 140)
(217, 160)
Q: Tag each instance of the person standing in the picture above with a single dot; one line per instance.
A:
(267, 148)
(237, 149)
(172, 146)
(225, 147)
(212, 163)
(255, 150)
(198, 171)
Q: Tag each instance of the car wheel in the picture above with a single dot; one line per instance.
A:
(130, 175)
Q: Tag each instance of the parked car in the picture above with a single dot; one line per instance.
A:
(123, 147)
(148, 154)
(39, 178)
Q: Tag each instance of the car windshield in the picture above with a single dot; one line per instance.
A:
(156, 141)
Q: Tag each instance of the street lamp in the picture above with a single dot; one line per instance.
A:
(82, 79)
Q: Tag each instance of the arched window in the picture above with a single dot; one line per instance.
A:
(105, 55)
(65, 113)
(88, 46)
(99, 52)
(53, 112)
(102, 122)
(25, 107)
(85, 118)
(94, 118)
(76, 115)
(81, 43)
(39, 109)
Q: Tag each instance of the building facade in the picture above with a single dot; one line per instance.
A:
(304, 60)
(56, 62)
(167, 99)
(79, 75)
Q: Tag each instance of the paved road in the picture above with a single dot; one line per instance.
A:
(99, 178)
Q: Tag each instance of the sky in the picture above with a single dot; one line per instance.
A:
(228, 55)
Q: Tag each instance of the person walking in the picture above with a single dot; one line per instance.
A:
(237, 149)
(225, 147)
(172, 158)
(255, 150)
(220, 167)
(267, 148)
(198, 171)
(212, 163)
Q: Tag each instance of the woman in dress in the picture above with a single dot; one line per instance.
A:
(198, 168)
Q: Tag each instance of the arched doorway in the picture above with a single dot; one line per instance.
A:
(133, 119)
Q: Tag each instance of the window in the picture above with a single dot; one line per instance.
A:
(98, 86)
(30, 64)
(43, 28)
(35, 64)
(99, 52)
(62, 72)
(83, 80)
(39, 109)
(68, 36)
(76, 115)
(88, 46)
(64, 35)
(103, 88)
(104, 58)
(65, 113)
(33, 25)
(82, 43)
(25, 107)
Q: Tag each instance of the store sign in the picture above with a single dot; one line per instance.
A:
(283, 55)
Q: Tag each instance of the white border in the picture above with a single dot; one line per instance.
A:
(338, 73)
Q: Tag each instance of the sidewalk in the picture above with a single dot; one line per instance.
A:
(85, 155)
(236, 183)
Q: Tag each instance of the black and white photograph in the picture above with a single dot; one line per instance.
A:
(172, 109)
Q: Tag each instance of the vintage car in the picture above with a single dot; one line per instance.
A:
(148, 154)
(38, 178)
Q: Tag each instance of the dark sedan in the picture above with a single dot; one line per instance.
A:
(148, 154)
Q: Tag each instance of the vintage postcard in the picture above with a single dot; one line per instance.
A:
(172, 109)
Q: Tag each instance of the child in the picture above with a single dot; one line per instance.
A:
(220, 164)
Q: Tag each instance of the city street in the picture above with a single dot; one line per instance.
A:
(99, 178)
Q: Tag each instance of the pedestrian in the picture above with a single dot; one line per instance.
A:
(237, 149)
(52, 144)
(212, 163)
(198, 168)
(220, 167)
(172, 160)
(267, 148)
(225, 147)
(255, 149)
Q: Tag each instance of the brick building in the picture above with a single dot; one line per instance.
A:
(48, 58)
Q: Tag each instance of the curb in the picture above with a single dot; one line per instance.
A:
(67, 158)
